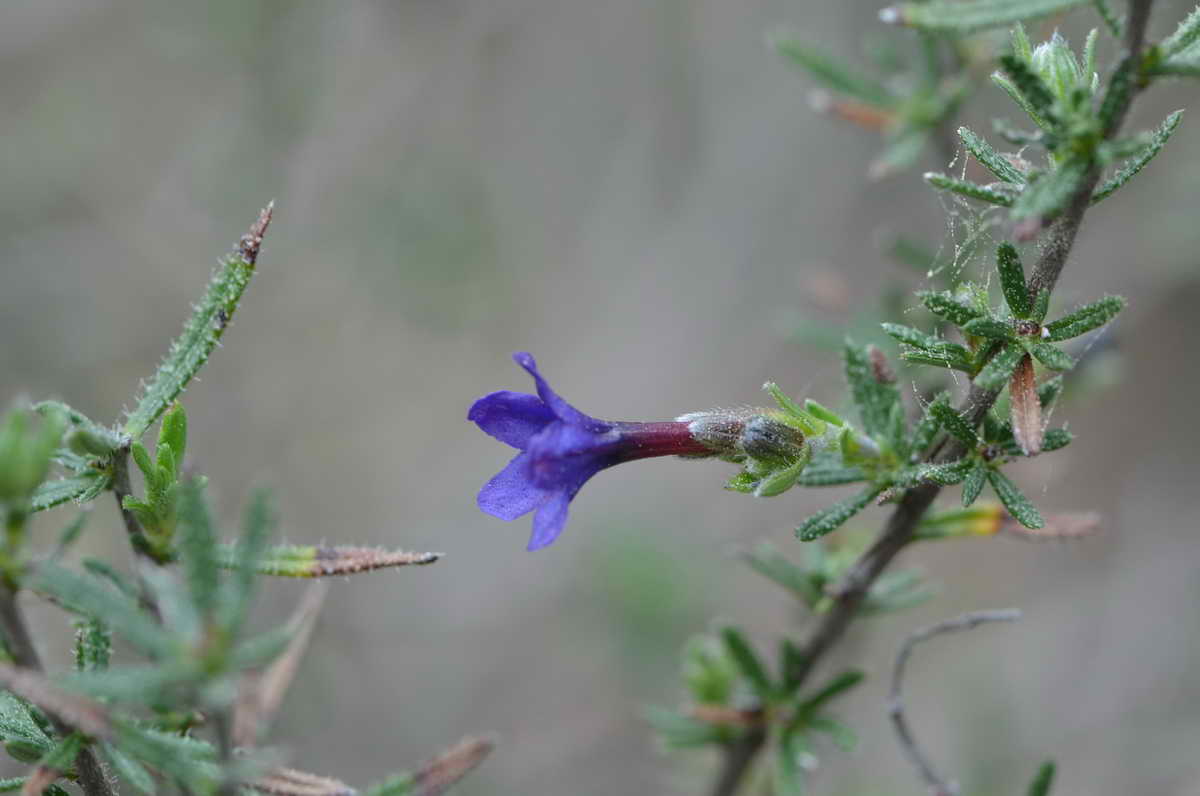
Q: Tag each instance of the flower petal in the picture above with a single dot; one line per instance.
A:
(511, 493)
(561, 408)
(550, 520)
(511, 417)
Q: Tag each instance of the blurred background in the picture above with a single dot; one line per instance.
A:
(639, 193)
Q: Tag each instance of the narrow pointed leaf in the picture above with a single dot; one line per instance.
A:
(990, 328)
(1118, 94)
(1111, 20)
(63, 490)
(128, 769)
(1135, 164)
(78, 711)
(201, 333)
(989, 158)
(748, 663)
(310, 561)
(952, 421)
(1085, 319)
(946, 474)
(290, 782)
(1044, 779)
(1052, 357)
(89, 597)
(973, 484)
(995, 374)
(969, 16)
(947, 306)
(1046, 196)
(770, 563)
(829, 474)
(1049, 391)
(834, 688)
(198, 549)
(972, 190)
(835, 516)
(928, 426)
(947, 355)
(831, 73)
(873, 396)
(1037, 98)
(1012, 280)
(1015, 501)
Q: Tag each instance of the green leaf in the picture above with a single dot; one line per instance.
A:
(779, 481)
(743, 482)
(910, 336)
(80, 488)
(1138, 162)
(1111, 21)
(1085, 319)
(990, 328)
(1012, 280)
(258, 523)
(953, 423)
(1183, 65)
(968, 16)
(1049, 391)
(1048, 194)
(404, 783)
(748, 663)
(770, 563)
(1052, 357)
(989, 158)
(1118, 94)
(188, 353)
(822, 413)
(174, 434)
(873, 397)
(61, 757)
(198, 549)
(830, 519)
(940, 474)
(1187, 34)
(18, 726)
(830, 476)
(1056, 438)
(88, 597)
(93, 645)
(808, 424)
(834, 688)
(1015, 501)
(1028, 90)
(831, 73)
(843, 736)
(675, 729)
(185, 758)
(972, 190)
(928, 426)
(947, 306)
(973, 484)
(938, 359)
(128, 769)
(995, 373)
(1044, 779)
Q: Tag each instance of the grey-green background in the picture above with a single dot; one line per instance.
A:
(638, 193)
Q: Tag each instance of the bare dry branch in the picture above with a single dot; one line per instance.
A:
(938, 786)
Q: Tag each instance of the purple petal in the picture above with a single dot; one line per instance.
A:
(511, 493)
(561, 408)
(511, 417)
(549, 521)
(564, 455)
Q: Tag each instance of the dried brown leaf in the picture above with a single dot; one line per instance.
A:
(1026, 408)
(261, 693)
(351, 560)
(41, 778)
(1058, 526)
(290, 782)
(251, 242)
(438, 774)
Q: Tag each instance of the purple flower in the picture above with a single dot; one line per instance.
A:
(560, 449)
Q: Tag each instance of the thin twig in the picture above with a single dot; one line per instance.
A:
(901, 526)
(24, 654)
(938, 785)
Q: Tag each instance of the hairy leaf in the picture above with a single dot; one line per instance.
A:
(831, 73)
(973, 484)
(947, 306)
(1132, 166)
(989, 158)
(830, 519)
(1012, 280)
(1015, 501)
(973, 190)
(1085, 319)
(1052, 357)
(968, 16)
(995, 373)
